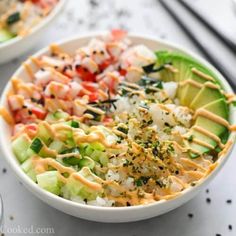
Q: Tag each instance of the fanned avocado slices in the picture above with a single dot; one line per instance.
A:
(188, 70)
(177, 61)
(219, 108)
(207, 94)
(194, 145)
(198, 88)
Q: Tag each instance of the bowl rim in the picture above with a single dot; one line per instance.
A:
(35, 189)
(55, 11)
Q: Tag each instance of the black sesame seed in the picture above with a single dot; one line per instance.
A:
(229, 201)
(77, 66)
(208, 200)
(218, 234)
(11, 218)
(230, 227)
(207, 190)
(128, 204)
(176, 172)
(190, 215)
(4, 170)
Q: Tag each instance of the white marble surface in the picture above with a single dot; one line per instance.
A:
(22, 209)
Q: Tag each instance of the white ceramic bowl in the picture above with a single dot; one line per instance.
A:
(108, 214)
(18, 45)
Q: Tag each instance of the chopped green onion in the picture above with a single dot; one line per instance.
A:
(13, 18)
(190, 138)
(193, 155)
(151, 68)
(36, 145)
(71, 161)
(74, 124)
(138, 182)
(123, 129)
(71, 150)
(147, 81)
(218, 149)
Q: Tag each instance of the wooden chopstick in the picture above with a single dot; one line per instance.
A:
(228, 41)
(198, 42)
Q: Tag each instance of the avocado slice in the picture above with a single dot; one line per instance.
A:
(202, 137)
(178, 61)
(207, 94)
(189, 91)
(185, 65)
(5, 35)
(219, 108)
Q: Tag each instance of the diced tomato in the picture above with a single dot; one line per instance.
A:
(107, 120)
(118, 34)
(93, 97)
(92, 87)
(122, 72)
(32, 127)
(85, 75)
(40, 113)
(105, 64)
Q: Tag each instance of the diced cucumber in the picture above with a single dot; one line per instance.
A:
(20, 146)
(49, 181)
(73, 123)
(27, 167)
(88, 162)
(44, 133)
(71, 161)
(5, 35)
(75, 187)
(57, 145)
(103, 158)
(38, 147)
(57, 115)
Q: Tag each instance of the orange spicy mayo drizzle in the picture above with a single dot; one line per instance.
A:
(211, 116)
(201, 74)
(209, 134)
(191, 82)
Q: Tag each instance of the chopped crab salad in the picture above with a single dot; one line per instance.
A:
(117, 124)
(18, 17)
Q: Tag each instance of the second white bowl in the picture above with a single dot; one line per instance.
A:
(18, 45)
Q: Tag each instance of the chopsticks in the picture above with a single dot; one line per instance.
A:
(198, 42)
(220, 34)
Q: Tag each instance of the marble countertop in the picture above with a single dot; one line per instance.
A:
(211, 212)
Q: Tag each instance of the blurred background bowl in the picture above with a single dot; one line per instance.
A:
(19, 45)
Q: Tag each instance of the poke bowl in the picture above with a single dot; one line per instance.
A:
(22, 24)
(115, 128)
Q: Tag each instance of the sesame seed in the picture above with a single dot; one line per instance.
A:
(4, 170)
(207, 190)
(230, 227)
(208, 200)
(190, 215)
(229, 201)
